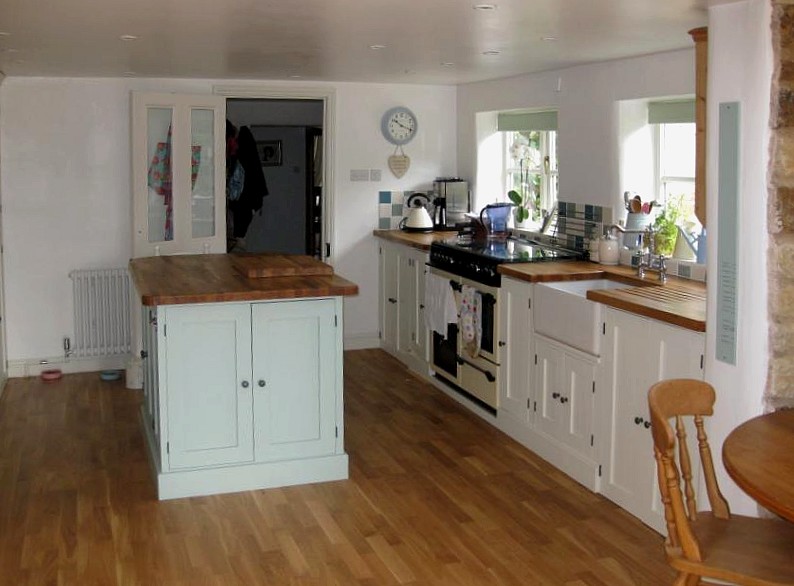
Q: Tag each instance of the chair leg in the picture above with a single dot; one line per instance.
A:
(684, 579)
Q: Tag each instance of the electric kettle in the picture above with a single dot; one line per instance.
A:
(418, 219)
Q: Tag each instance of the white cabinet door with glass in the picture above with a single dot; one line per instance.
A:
(249, 395)
(638, 352)
(178, 174)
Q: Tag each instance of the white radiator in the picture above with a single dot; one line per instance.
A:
(101, 312)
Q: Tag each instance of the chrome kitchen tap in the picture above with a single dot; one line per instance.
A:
(650, 261)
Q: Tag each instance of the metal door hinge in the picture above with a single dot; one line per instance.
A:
(535, 406)
(167, 447)
(529, 303)
(536, 358)
(380, 335)
(336, 431)
(327, 249)
(591, 440)
(701, 362)
(594, 387)
(336, 321)
(604, 328)
(599, 470)
(529, 406)
(165, 330)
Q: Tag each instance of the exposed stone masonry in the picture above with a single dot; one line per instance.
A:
(780, 381)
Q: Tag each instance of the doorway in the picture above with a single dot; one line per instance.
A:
(289, 140)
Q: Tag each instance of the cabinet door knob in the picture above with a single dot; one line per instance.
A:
(244, 384)
(563, 400)
(638, 420)
(502, 344)
(647, 424)
(555, 395)
(262, 383)
(144, 354)
(392, 300)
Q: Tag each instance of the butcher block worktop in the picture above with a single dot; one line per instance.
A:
(206, 278)
(680, 302)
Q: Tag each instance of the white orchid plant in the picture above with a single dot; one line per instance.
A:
(522, 197)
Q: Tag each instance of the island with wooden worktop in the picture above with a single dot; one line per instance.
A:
(242, 371)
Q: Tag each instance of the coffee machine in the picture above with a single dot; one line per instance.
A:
(452, 202)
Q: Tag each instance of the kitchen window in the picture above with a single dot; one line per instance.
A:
(529, 147)
(674, 147)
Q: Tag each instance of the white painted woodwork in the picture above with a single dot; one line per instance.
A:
(294, 376)
(189, 212)
(212, 427)
(208, 377)
(515, 329)
(403, 332)
(637, 352)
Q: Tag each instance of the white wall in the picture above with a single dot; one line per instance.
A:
(65, 160)
(587, 104)
(740, 69)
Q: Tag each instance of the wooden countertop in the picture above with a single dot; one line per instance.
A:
(679, 302)
(418, 240)
(206, 278)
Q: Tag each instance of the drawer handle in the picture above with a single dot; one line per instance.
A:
(244, 384)
(262, 383)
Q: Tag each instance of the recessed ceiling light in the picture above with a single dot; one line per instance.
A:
(491, 52)
(447, 64)
(377, 47)
(296, 76)
(10, 50)
(128, 37)
(128, 73)
(484, 7)
(4, 34)
(549, 39)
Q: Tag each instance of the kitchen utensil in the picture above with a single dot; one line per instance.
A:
(626, 198)
(635, 204)
(418, 219)
(497, 219)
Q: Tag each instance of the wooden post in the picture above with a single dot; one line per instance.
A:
(700, 36)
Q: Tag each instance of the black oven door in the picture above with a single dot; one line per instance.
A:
(445, 352)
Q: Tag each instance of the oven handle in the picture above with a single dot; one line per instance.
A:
(490, 377)
(487, 297)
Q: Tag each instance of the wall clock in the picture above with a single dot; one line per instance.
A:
(398, 125)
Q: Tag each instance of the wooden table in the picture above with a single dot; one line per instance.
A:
(759, 456)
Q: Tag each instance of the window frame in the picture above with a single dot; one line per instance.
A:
(549, 173)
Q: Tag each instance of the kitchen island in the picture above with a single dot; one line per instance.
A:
(242, 371)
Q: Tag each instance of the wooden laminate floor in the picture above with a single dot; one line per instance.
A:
(435, 496)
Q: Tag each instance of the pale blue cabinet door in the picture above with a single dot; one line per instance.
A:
(295, 379)
(210, 391)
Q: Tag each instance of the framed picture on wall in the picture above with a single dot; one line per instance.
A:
(269, 152)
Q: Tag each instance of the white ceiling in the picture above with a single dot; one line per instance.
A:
(426, 41)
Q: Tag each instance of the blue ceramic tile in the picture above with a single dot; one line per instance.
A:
(588, 212)
(384, 197)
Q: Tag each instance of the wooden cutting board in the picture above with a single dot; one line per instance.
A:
(264, 265)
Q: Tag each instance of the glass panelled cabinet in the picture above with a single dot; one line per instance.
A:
(178, 166)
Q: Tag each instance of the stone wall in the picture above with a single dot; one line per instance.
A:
(780, 381)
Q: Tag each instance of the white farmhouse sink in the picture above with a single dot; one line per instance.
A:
(562, 312)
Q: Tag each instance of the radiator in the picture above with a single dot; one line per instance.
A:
(101, 312)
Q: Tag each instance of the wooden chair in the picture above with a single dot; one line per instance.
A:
(712, 544)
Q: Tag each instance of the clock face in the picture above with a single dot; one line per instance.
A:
(398, 125)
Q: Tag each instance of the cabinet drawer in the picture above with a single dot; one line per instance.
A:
(475, 379)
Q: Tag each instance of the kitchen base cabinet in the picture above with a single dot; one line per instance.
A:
(562, 410)
(244, 395)
(403, 332)
(638, 352)
(515, 328)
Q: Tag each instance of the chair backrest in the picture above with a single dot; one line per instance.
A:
(677, 399)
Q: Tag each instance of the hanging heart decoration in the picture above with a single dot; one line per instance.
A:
(399, 164)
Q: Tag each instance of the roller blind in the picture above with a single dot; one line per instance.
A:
(671, 112)
(527, 121)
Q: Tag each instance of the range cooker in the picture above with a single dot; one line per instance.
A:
(474, 264)
(478, 259)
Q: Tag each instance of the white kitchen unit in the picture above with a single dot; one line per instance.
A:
(637, 352)
(178, 174)
(515, 329)
(563, 409)
(403, 331)
(241, 396)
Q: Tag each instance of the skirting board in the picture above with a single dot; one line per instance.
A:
(361, 341)
(33, 367)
